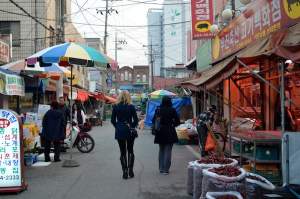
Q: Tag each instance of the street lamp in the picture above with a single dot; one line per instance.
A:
(227, 14)
(214, 28)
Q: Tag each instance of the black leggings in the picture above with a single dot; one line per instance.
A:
(126, 145)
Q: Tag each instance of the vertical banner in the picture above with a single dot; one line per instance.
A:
(11, 153)
(202, 18)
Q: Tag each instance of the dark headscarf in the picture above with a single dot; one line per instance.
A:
(166, 102)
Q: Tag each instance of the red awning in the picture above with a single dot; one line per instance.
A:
(82, 95)
(105, 98)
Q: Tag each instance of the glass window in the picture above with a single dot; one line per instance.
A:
(126, 75)
(11, 27)
(144, 78)
(138, 78)
(122, 76)
(130, 77)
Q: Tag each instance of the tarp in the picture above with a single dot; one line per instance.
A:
(153, 104)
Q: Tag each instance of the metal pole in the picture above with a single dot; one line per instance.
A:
(71, 162)
(35, 27)
(116, 46)
(105, 26)
(229, 107)
(151, 62)
(282, 98)
(62, 22)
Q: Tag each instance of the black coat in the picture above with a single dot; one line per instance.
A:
(66, 113)
(122, 115)
(53, 125)
(168, 121)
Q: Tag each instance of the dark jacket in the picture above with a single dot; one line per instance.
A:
(66, 113)
(123, 114)
(53, 125)
(168, 121)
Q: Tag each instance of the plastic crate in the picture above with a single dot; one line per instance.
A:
(267, 153)
(271, 175)
(247, 148)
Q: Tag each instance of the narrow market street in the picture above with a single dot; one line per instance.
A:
(99, 174)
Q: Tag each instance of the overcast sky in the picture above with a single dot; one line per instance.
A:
(130, 12)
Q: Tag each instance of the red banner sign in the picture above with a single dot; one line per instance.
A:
(4, 52)
(202, 18)
(260, 19)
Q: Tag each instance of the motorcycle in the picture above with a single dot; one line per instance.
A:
(79, 137)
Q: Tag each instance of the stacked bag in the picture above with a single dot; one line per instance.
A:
(213, 177)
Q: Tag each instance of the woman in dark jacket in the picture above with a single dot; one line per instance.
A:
(53, 131)
(166, 136)
(123, 118)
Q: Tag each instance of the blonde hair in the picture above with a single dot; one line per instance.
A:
(124, 98)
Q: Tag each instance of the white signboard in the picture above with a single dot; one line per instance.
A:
(10, 150)
(42, 109)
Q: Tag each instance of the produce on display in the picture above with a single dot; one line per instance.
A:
(229, 171)
(256, 185)
(224, 195)
(214, 159)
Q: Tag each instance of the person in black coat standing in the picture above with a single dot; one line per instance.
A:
(166, 136)
(123, 118)
(53, 131)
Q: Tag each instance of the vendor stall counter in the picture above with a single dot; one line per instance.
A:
(262, 149)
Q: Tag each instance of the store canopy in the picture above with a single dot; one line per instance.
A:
(192, 64)
(11, 83)
(284, 44)
(82, 95)
(105, 98)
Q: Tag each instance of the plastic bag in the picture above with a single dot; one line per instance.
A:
(213, 182)
(190, 178)
(214, 195)
(198, 175)
(254, 188)
(210, 144)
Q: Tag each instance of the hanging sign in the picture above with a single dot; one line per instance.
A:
(4, 52)
(11, 84)
(11, 153)
(260, 19)
(202, 18)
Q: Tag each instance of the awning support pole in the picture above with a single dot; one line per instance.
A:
(282, 98)
(257, 75)
(229, 106)
(247, 100)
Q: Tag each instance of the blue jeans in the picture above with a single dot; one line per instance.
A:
(164, 157)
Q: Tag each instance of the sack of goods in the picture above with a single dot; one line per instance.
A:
(255, 186)
(225, 178)
(224, 195)
(211, 161)
(190, 176)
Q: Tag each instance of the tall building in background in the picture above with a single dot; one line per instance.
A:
(169, 38)
(28, 36)
(155, 33)
(176, 14)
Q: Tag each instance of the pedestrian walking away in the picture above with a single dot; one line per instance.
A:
(53, 131)
(166, 135)
(124, 118)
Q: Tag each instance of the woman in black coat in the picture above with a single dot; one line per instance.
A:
(166, 136)
(53, 131)
(123, 118)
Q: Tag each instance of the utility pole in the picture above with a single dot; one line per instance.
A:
(151, 54)
(105, 27)
(62, 20)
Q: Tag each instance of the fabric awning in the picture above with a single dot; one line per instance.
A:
(105, 98)
(192, 64)
(82, 95)
(285, 44)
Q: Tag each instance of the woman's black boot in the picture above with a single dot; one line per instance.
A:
(124, 166)
(131, 164)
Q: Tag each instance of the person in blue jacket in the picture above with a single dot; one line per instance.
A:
(123, 118)
(53, 131)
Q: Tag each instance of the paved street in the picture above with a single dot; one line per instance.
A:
(99, 174)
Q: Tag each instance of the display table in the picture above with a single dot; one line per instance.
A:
(259, 148)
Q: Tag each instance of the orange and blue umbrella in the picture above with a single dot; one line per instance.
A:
(73, 52)
(161, 93)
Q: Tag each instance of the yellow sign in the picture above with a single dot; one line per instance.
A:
(202, 26)
(292, 8)
(216, 46)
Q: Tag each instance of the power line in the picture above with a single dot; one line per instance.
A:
(29, 15)
(119, 26)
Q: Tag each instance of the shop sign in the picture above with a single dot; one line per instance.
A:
(10, 150)
(4, 52)
(260, 19)
(202, 18)
(11, 84)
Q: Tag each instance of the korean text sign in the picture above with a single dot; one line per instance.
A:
(202, 18)
(260, 19)
(11, 84)
(4, 52)
(10, 150)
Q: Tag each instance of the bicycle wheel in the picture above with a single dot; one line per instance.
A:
(85, 144)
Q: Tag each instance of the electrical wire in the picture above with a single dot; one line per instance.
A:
(109, 25)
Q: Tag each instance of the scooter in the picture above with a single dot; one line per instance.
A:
(79, 138)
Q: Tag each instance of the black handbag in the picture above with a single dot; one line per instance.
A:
(132, 132)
